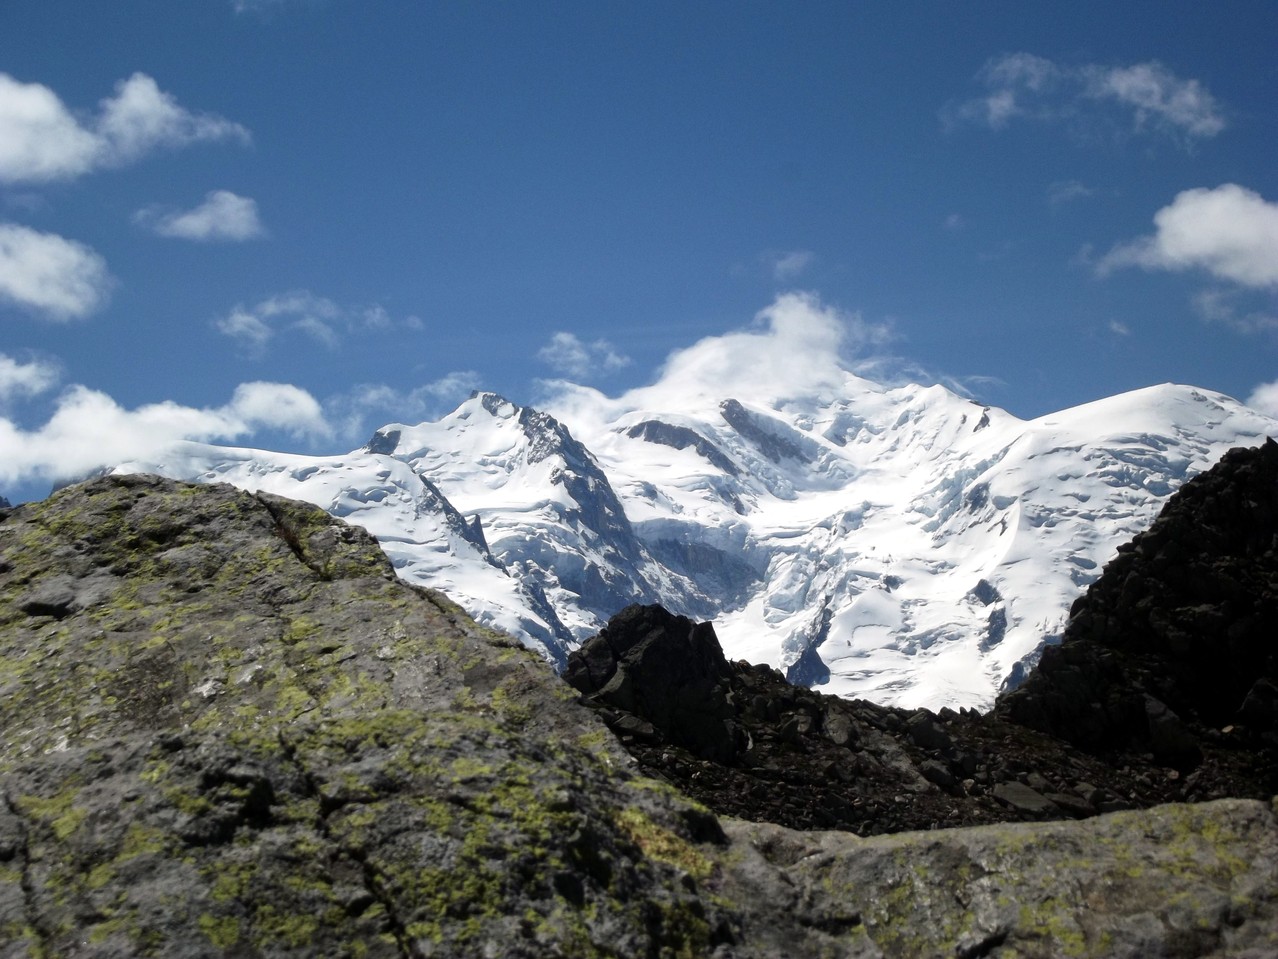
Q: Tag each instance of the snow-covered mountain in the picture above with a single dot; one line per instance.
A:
(904, 545)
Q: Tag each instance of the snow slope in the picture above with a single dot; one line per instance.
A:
(903, 545)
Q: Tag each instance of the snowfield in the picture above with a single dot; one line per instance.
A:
(902, 545)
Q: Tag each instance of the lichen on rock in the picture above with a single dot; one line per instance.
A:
(227, 729)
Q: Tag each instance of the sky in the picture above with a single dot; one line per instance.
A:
(283, 223)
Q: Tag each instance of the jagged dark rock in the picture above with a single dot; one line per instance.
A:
(667, 670)
(228, 730)
(747, 742)
(1173, 651)
(1165, 688)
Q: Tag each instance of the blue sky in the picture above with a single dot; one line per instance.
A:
(285, 222)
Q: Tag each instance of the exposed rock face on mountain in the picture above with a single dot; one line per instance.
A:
(226, 729)
(1178, 640)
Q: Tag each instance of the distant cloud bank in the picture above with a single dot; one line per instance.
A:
(89, 430)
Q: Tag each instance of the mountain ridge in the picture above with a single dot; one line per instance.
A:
(904, 545)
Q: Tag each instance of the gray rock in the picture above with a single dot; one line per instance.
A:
(1175, 881)
(926, 734)
(1022, 797)
(937, 773)
(255, 741)
(839, 729)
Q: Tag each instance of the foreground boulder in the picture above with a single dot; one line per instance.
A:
(226, 729)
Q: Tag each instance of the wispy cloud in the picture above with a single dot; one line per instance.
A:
(788, 265)
(1067, 191)
(41, 140)
(19, 380)
(1149, 96)
(1265, 399)
(569, 356)
(259, 6)
(356, 412)
(89, 430)
(50, 275)
(222, 216)
(255, 327)
(1229, 308)
(1157, 97)
(1230, 232)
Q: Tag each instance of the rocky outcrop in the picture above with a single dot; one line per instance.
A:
(746, 742)
(1164, 689)
(1172, 651)
(226, 729)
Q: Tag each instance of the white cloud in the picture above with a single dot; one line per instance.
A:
(278, 406)
(41, 140)
(1228, 308)
(1265, 399)
(49, 274)
(1231, 232)
(796, 347)
(1119, 328)
(567, 354)
(89, 430)
(1028, 86)
(25, 379)
(788, 265)
(304, 312)
(954, 222)
(1066, 191)
(222, 216)
(1158, 97)
(360, 410)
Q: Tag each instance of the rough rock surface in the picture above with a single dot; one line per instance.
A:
(747, 743)
(1174, 650)
(1165, 689)
(226, 729)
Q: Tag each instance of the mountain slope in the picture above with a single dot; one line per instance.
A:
(903, 545)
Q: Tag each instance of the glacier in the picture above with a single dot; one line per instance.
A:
(904, 545)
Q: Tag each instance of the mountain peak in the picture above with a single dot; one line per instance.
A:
(849, 533)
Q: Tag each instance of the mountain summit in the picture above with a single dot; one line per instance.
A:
(903, 545)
